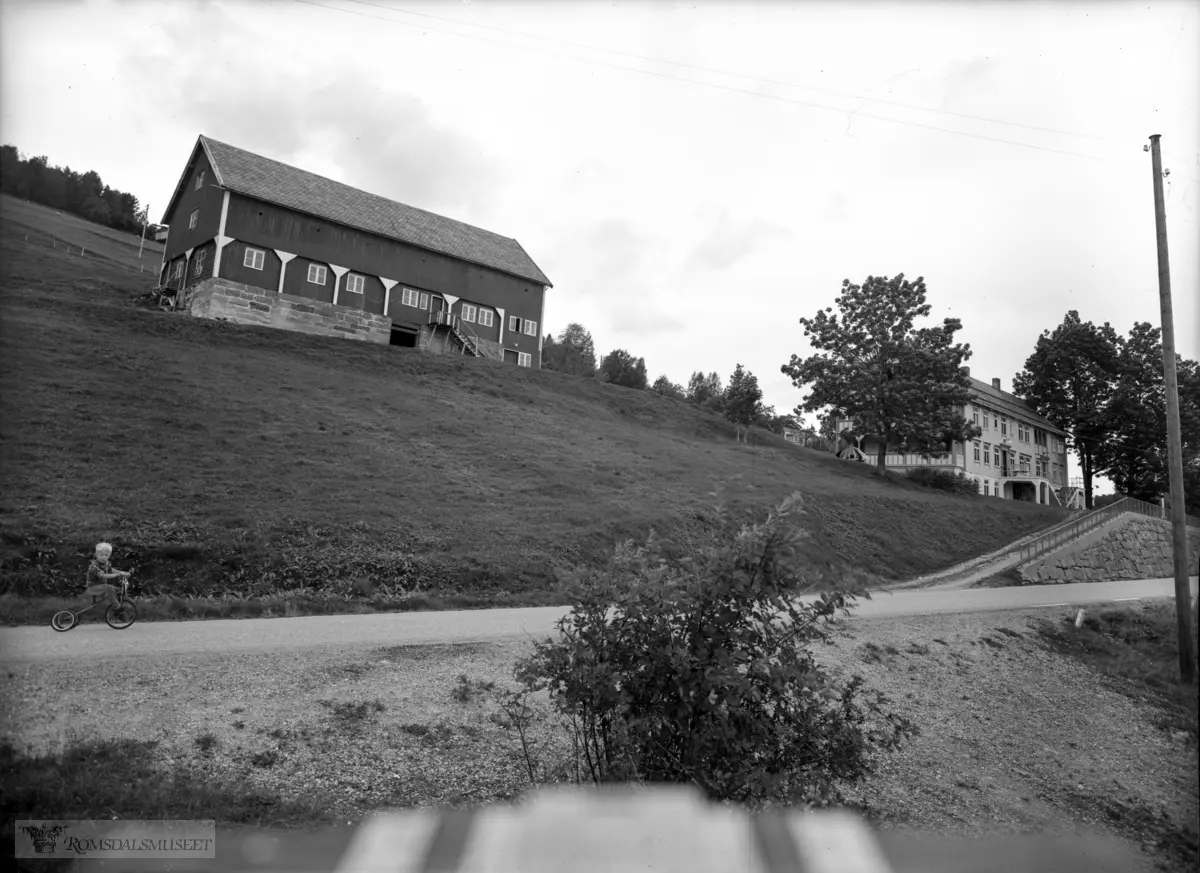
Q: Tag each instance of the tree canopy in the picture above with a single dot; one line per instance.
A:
(1070, 380)
(621, 368)
(83, 194)
(743, 401)
(1133, 452)
(902, 384)
(705, 390)
(664, 386)
(573, 352)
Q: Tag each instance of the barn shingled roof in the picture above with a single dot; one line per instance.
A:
(265, 179)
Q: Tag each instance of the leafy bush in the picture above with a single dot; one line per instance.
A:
(694, 669)
(955, 483)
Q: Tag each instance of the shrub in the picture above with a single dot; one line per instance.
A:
(956, 483)
(693, 669)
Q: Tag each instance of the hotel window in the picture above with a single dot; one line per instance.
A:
(199, 268)
(254, 259)
(486, 318)
(194, 219)
(354, 283)
(468, 312)
(975, 417)
(987, 454)
(1004, 426)
(200, 180)
(976, 450)
(995, 421)
(530, 327)
(524, 359)
(987, 489)
(985, 419)
(317, 274)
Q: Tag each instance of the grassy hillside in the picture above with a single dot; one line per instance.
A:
(219, 457)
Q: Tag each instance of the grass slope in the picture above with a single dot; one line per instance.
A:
(208, 451)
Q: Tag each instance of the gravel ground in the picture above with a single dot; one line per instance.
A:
(1013, 738)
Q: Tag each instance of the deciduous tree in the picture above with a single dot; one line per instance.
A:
(743, 401)
(621, 368)
(573, 352)
(901, 384)
(1133, 453)
(1070, 379)
(664, 386)
(705, 390)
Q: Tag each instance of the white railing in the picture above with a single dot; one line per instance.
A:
(915, 460)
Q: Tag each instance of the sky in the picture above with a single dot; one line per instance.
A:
(693, 177)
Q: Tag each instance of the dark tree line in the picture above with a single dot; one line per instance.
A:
(83, 194)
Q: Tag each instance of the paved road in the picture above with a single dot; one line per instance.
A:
(150, 639)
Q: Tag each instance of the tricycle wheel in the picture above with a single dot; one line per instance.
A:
(121, 615)
(64, 620)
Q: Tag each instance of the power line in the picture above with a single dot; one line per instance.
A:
(855, 113)
(729, 73)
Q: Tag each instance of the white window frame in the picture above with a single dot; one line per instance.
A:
(199, 181)
(194, 218)
(199, 262)
(986, 488)
(410, 297)
(254, 258)
(976, 450)
(178, 269)
(524, 359)
(322, 271)
(355, 284)
(987, 454)
(468, 312)
(529, 328)
(424, 299)
(486, 317)
(514, 324)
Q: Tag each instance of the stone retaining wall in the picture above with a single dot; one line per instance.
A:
(224, 300)
(1136, 548)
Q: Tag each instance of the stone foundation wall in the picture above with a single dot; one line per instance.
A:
(224, 300)
(1138, 547)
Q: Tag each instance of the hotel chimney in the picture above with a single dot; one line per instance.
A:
(996, 384)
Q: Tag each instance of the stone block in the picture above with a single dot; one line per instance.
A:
(259, 307)
(303, 307)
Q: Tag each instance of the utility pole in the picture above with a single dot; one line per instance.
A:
(145, 218)
(1183, 594)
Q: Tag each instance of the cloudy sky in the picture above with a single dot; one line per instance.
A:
(693, 177)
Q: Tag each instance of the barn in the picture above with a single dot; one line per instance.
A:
(252, 240)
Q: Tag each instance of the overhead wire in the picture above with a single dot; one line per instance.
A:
(713, 85)
(730, 73)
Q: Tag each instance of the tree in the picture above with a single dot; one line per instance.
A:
(664, 386)
(1134, 451)
(903, 385)
(1070, 379)
(743, 401)
(705, 390)
(621, 368)
(573, 353)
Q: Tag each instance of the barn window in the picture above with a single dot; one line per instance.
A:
(424, 300)
(195, 219)
(514, 324)
(354, 283)
(178, 269)
(468, 312)
(530, 327)
(485, 317)
(317, 274)
(200, 180)
(410, 297)
(254, 259)
(199, 263)
(524, 359)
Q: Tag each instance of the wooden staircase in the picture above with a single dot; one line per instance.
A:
(468, 341)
